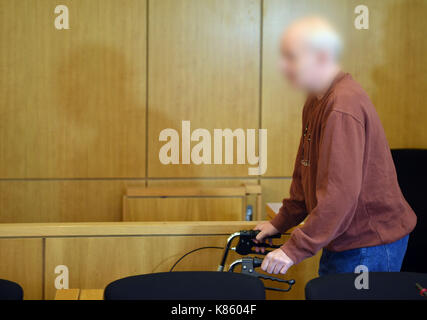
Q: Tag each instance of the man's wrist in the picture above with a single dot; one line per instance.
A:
(289, 253)
(279, 223)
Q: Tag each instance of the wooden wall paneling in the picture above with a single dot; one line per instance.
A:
(204, 66)
(126, 248)
(185, 203)
(21, 261)
(73, 101)
(61, 200)
(95, 262)
(211, 183)
(185, 209)
(207, 183)
(387, 59)
(395, 73)
(199, 182)
(182, 191)
(274, 190)
(88, 258)
(120, 229)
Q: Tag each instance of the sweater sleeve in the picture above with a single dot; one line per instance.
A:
(338, 185)
(293, 210)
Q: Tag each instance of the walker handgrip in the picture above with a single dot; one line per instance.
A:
(274, 236)
(246, 243)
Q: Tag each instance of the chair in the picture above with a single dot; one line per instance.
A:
(191, 285)
(10, 290)
(382, 286)
(412, 175)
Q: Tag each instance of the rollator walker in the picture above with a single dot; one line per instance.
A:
(248, 265)
(205, 285)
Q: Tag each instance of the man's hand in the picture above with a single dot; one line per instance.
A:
(277, 262)
(266, 230)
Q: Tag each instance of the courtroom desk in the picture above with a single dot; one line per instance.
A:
(96, 254)
(272, 208)
(79, 294)
(67, 294)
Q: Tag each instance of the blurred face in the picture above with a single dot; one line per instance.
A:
(298, 63)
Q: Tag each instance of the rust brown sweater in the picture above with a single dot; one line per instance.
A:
(344, 180)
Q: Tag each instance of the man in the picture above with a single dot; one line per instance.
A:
(344, 183)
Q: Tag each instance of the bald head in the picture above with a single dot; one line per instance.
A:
(310, 49)
(314, 33)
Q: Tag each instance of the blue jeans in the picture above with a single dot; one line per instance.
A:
(387, 257)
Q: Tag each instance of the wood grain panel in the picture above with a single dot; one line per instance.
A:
(79, 200)
(95, 262)
(187, 191)
(61, 200)
(203, 67)
(399, 76)
(209, 183)
(21, 261)
(388, 60)
(274, 190)
(184, 209)
(201, 183)
(73, 101)
(91, 294)
(125, 247)
(120, 229)
(67, 294)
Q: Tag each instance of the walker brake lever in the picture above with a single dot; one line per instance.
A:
(248, 268)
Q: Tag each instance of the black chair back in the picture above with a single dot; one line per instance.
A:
(197, 285)
(10, 290)
(411, 167)
(381, 286)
